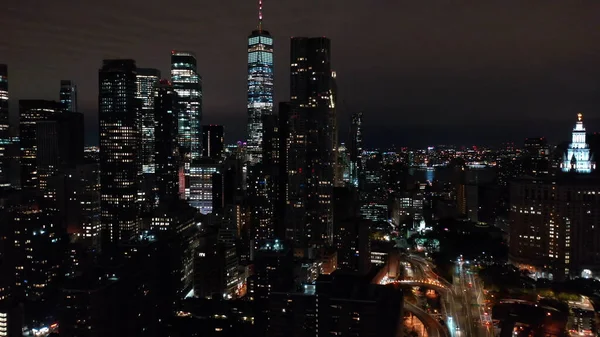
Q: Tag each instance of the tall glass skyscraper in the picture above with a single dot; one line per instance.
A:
(4, 125)
(188, 86)
(260, 86)
(146, 79)
(68, 95)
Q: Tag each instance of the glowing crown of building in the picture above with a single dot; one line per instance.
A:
(578, 158)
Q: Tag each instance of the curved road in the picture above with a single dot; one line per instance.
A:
(434, 328)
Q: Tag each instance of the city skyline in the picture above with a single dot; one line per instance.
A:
(435, 65)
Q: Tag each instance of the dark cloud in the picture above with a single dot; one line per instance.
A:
(437, 63)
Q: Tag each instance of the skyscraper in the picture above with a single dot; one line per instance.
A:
(212, 141)
(578, 158)
(166, 109)
(30, 113)
(68, 95)
(119, 144)
(4, 125)
(356, 148)
(147, 78)
(59, 145)
(260, 86)
(188, 86)
(312, 155)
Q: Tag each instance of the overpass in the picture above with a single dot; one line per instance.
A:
(433, 327)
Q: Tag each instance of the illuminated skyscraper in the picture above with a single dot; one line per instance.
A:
(119, 146)
(4, 125)
(68, 95)
(312, 155)
(188, 85)
(260, 86)
(147, 78)
(578, 158)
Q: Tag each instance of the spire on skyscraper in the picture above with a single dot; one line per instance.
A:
(260, 15)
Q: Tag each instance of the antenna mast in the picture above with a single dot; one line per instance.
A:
(260, 15)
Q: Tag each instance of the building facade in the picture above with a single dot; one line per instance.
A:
(146, 80)
(260, 86)
(166, 110)
(311, 154)
(4, 126)
(553, 230)
(119, 149)
(188, 86)
(30, 113)
(578, 157)
(213, 145)
(68, 95)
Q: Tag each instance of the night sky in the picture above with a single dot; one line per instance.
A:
(423, 72)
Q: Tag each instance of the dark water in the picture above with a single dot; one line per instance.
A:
(446, 174)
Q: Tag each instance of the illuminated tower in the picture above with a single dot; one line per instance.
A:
(4, 136)
(146, 79)
(188, 86)
(260, 86)
(578, 158)
(119, 148)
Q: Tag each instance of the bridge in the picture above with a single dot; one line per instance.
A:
(430, 284)
(433, 327)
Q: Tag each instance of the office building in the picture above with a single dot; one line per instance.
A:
(59, 145)
(30, 113)
(68, 95)
(552, 225)
(119, 146)
(200, 182)
(188, 86)
(146, 80)
(213, 141)
(260, 86)
(536, 157)
(4, 127)
(578, 158)
(166, 110)
(311, 154)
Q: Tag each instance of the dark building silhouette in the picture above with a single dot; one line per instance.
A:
(213, 145)
(68, 95)
(339, 304)
(30, 113)
(311, 138)
(4, 127)
(119, 150)
(166, 109)
(356, 148)
(59, 145)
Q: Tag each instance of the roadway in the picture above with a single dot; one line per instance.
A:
(469, 289)
(433, 327)
(464, 305)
